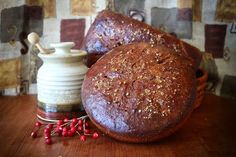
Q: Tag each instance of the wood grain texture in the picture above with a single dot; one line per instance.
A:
(210, 131)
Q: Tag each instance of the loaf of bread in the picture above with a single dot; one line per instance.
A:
(139, 92)
(110, 30)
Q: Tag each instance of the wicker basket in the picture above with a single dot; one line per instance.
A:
(202, 76)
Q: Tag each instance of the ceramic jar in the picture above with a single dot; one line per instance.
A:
(59, 82)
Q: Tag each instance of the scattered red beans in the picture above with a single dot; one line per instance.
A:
(80, 122)
(74, 120)
(38, 124)
(70, 133)
(33, 134)
(60, 122)
(80, 128)
(72, 125)
(73, 129)
(50, 126)
(95, 135)
(64, 133)
(86, 124)
(48, 141)
(66, 120)
(65, 128)
(83, 138)
(47, 130)
(86, 131)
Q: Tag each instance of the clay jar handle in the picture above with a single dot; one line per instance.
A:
(34, 40)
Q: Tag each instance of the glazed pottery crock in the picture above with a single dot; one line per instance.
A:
(59, 81)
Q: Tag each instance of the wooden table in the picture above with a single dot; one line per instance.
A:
(211, 131)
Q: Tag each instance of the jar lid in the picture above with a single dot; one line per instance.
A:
(63, 50)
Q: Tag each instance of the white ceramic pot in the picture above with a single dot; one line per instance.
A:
(59, 82)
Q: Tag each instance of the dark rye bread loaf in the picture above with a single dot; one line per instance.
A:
(110, 30)
(139, 92)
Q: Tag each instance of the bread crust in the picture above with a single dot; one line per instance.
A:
(139, 92)
(110, 30)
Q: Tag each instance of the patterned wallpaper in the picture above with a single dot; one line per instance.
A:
(207, 24)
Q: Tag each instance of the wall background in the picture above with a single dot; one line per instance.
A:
(61, 15)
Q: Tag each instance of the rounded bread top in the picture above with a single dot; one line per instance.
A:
(139, 90)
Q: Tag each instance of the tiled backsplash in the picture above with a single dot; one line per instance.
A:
(73, 30)
(198, 22)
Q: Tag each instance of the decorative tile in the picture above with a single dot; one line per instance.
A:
(228, 88)
(73, 30)
(208, 11)
(225, 11)
(12, 22)
(82, 7)
(184, 29)
(49, 6)
(184, 3)
(124, 6)
(34, 20)
(9, 73)
(166, 20)
(20, 19)
(184, 14)
(215, 39)
(197, 10)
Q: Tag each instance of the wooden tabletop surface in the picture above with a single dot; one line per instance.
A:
(210, 131)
